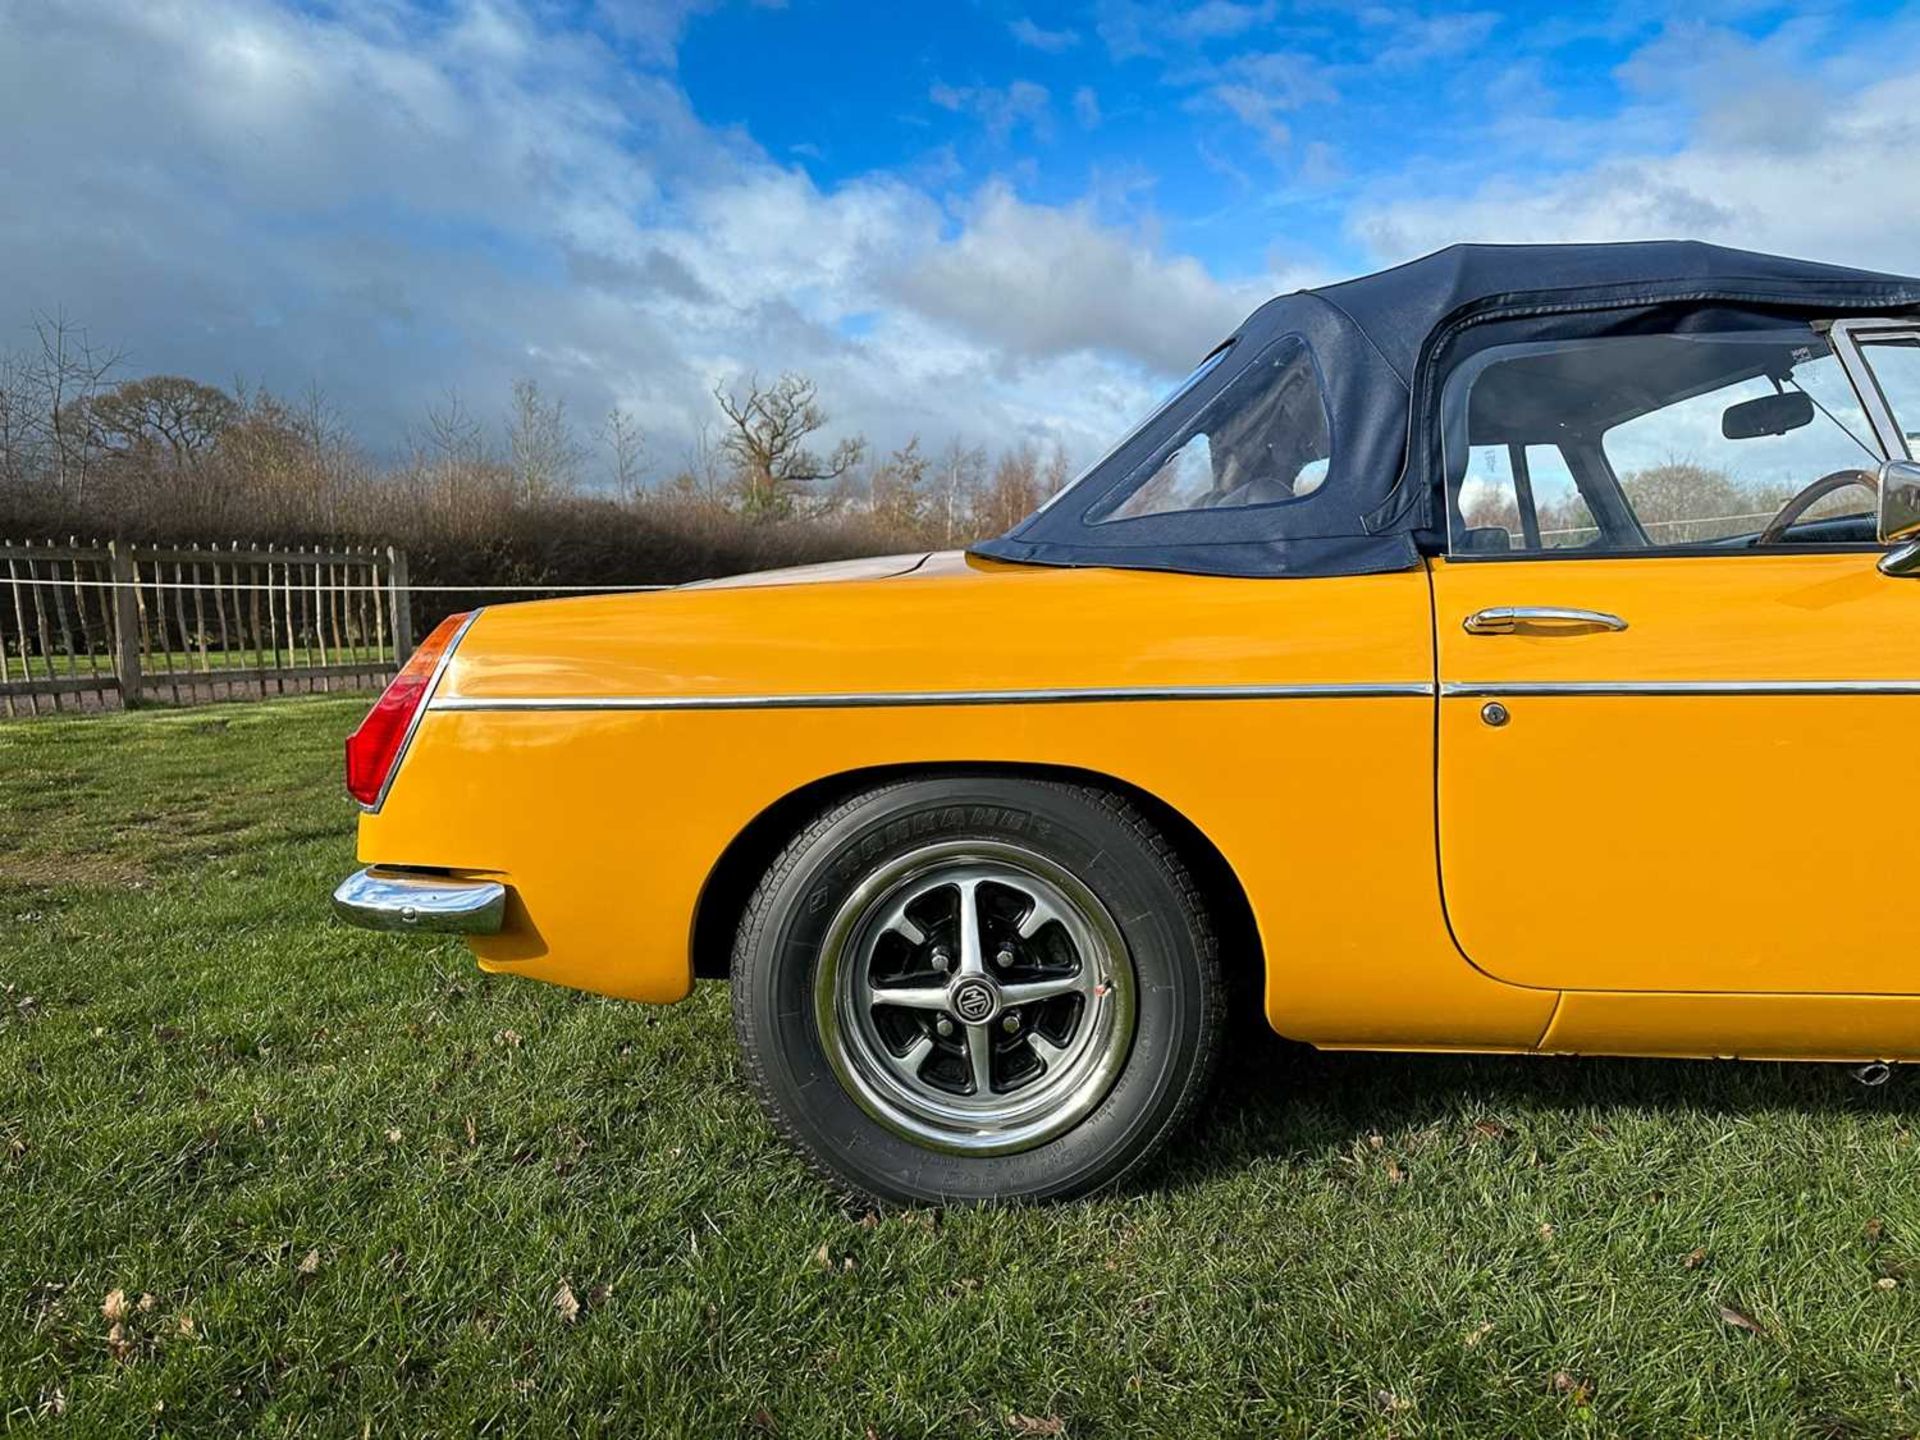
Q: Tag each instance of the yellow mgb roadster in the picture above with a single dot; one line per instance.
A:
(1507, 651)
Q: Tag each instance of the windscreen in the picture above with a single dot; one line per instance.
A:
(1895, 364)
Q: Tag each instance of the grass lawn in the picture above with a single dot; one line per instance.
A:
(260, 1173)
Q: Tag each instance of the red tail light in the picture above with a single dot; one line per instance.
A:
(374, 748)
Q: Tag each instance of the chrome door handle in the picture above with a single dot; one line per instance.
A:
(1505, 619)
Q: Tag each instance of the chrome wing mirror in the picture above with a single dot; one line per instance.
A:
(1900, 517)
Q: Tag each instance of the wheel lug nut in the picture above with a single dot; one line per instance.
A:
(942, 961)
(944, 1026)
(1003, 959)
(1010, 1022)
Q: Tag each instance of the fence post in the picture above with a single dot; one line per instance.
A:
(126, 624)
(402, 606)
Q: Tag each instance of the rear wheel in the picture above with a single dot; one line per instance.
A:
(975, 987)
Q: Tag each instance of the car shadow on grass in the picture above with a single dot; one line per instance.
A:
(1279, 1099)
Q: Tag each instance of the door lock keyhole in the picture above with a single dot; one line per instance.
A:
(1494, 713)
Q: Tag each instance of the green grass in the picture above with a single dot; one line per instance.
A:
(352, 1174)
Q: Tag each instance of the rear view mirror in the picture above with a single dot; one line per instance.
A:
(1769, 415)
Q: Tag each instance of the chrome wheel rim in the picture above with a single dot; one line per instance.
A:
(975, 998)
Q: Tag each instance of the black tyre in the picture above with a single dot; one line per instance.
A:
(969, 987)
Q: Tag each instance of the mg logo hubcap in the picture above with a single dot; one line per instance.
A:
(974, 1000)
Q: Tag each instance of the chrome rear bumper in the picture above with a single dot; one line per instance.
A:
(377, 899)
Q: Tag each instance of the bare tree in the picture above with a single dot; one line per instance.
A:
(959, 475)
(702, 476)
(456, 473)
(626, 446)
(51, 388)
(766, 444)
(16, 406)
(292, 462)
(1013, 493)
(453, 436)
(166, 418)
(1053, 479)
(540, 444)
(328, 441)
(899, 487)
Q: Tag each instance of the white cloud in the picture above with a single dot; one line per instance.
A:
(1823, 170)
(1216, 19)
(1259, 87)
(399, 201)
(1414, 39)
(1001, 110)
(1034, 37)
(1037, 280)
(1133, 28)
(651, 28)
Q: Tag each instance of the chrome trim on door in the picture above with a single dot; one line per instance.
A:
(1481, 690)
(1506, 619)
(854, 700)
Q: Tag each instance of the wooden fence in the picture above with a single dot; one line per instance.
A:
(91, 626)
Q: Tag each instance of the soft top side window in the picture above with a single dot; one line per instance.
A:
(1655, 442)
(1263, 440)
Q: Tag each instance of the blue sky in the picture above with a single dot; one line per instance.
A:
(1242, 130)
(1004, 221)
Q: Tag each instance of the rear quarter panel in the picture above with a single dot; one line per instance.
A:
(608, 822)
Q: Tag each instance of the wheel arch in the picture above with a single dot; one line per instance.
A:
(730, 882)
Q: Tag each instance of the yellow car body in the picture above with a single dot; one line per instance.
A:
(1514, 650)
(1683, 844)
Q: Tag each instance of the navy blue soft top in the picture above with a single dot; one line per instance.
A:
(1380, 343)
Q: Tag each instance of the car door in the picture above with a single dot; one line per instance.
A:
(1671, 744)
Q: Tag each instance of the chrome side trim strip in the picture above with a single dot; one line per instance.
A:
(419, 714)
(857, 700)
(1412, 689)
(1488, 689)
